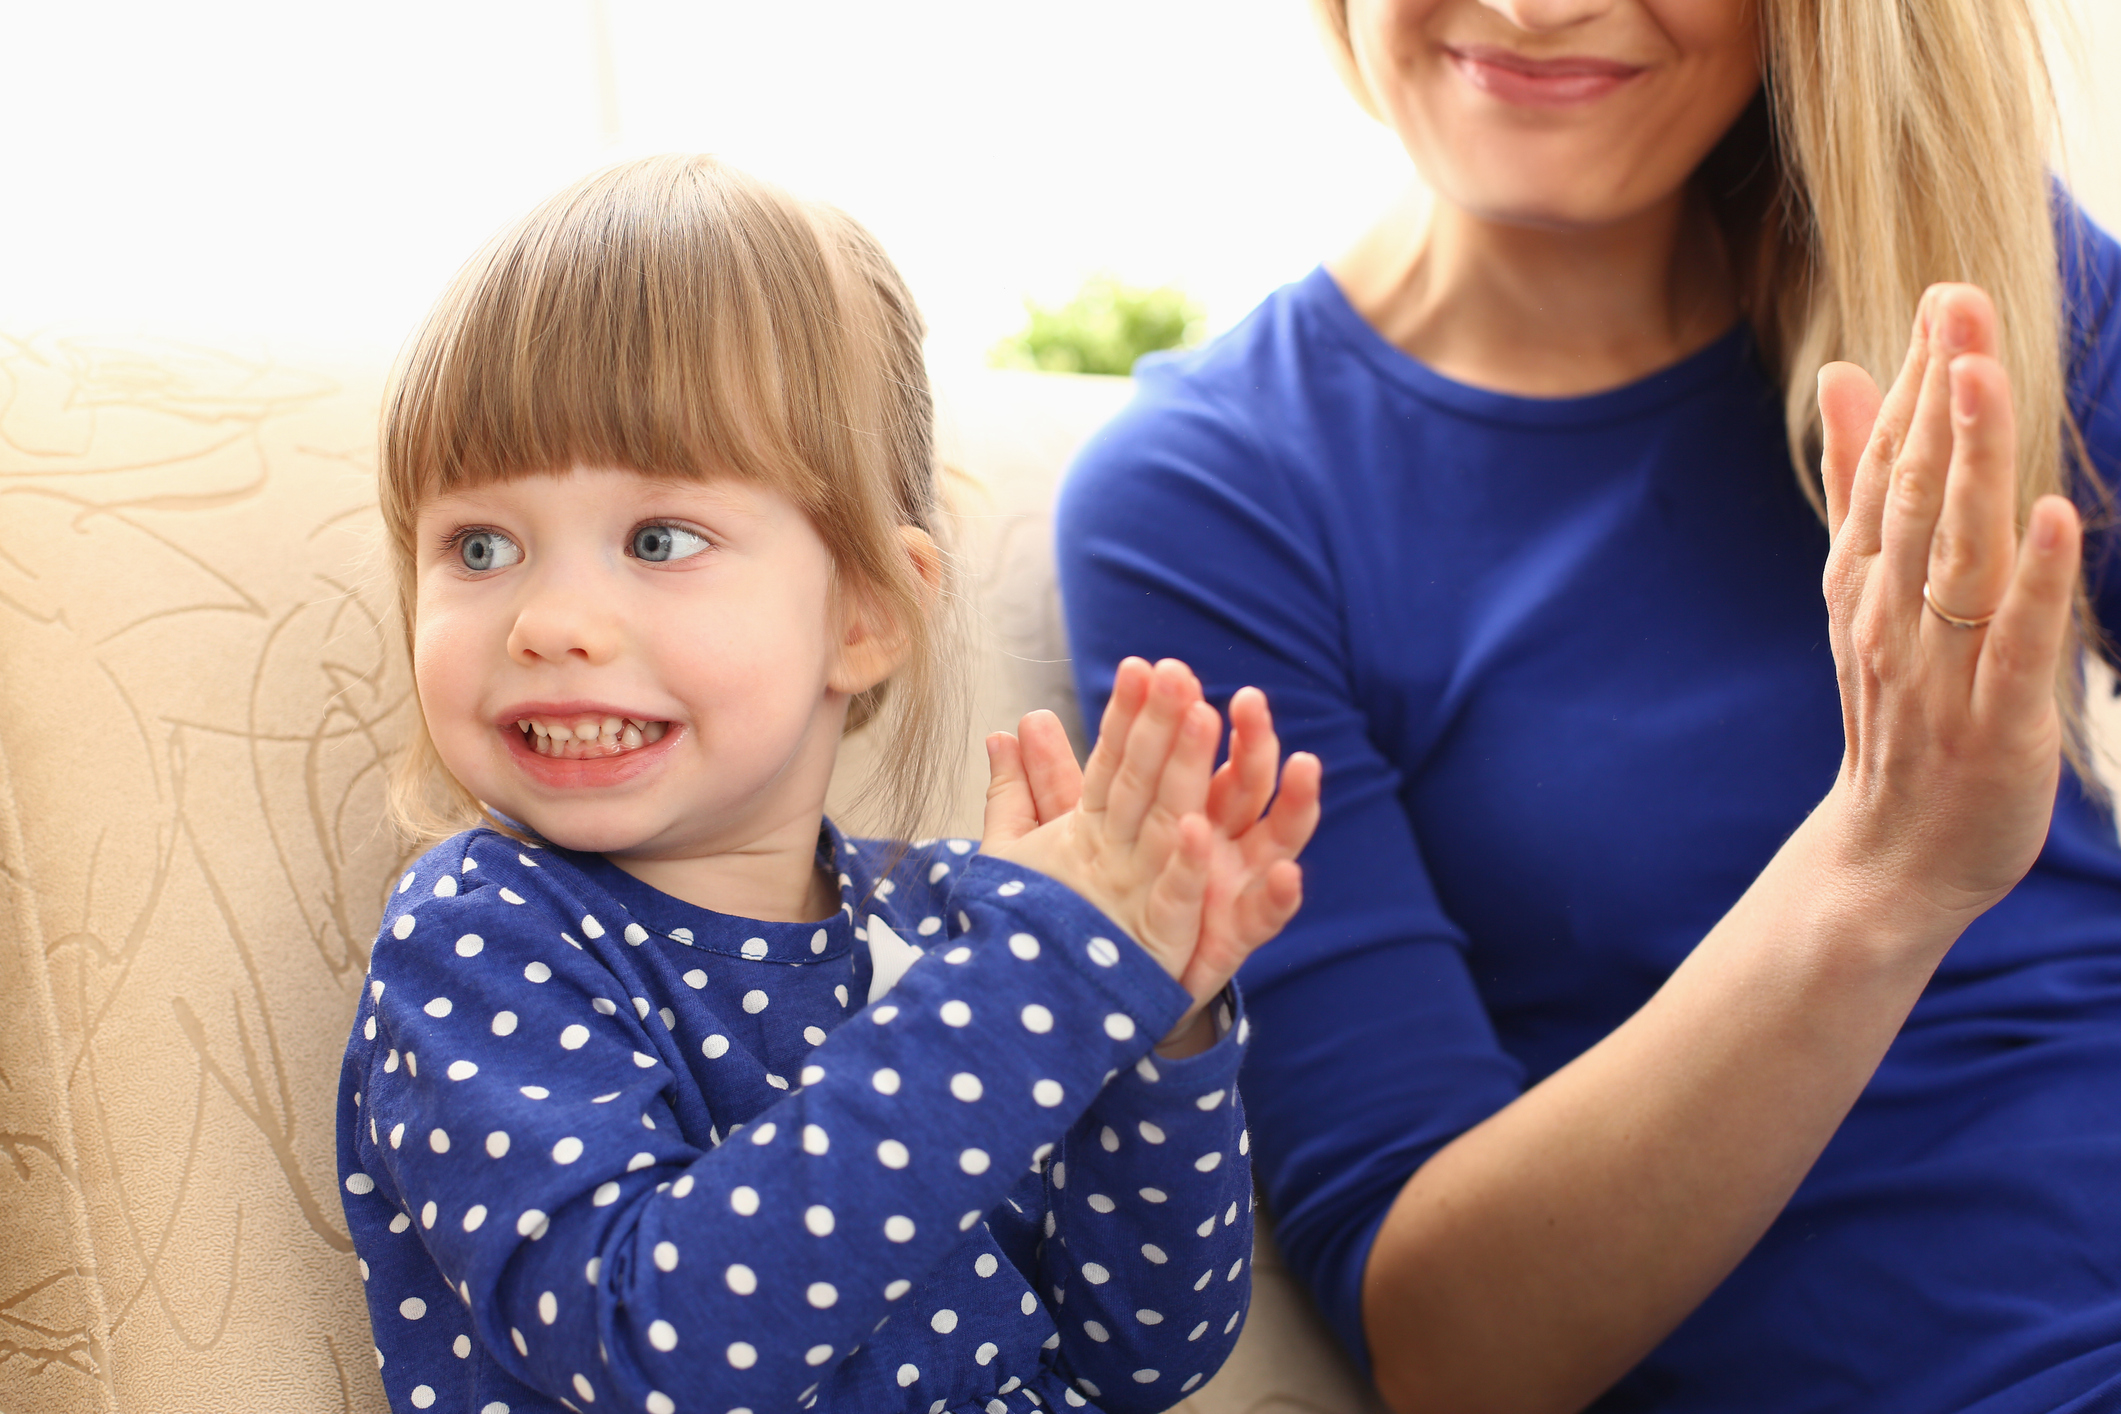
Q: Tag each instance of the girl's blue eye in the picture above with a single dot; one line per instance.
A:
(487, 550)
(667, 542)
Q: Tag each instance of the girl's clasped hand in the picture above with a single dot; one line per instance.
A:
(664, 1094)
(1200, 870)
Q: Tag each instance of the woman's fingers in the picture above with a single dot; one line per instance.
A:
(1968, 568)
(1130, 690)
(1848, 408)
(2022, 648)
(1961, 321)
(1049, 765)
(1932, 498)
(1874, 468)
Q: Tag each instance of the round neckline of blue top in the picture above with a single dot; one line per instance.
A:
(681, 924)
(1707, 365)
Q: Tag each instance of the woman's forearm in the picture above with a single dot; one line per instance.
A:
(1534, 1260)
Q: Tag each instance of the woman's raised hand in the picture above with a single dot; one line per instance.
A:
(1954, 740)
(1189, 859)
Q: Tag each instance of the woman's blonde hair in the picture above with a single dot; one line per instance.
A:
(1895, 143)
(679, 318)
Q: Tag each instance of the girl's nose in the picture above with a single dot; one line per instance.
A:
(1546, 16)
(556, 626)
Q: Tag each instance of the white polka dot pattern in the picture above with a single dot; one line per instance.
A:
(893, 1145)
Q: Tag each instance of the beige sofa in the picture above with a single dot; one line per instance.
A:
(200, 685)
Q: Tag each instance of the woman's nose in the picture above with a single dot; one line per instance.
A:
(1543, 16)
(561, 623)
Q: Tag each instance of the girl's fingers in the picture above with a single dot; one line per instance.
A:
(2015, 681)
(1246, 781)
(1254, 918)
(1284, 890)
(1049, 764)
(1182, 789)
(1130, 690)
(1969, 562)
(1271, 901)
(1172, 915)
(1139, 770)
(1010, 812)
(1288, 826)
(1848, 407)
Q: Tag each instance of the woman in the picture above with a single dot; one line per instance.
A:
(1667, 1025)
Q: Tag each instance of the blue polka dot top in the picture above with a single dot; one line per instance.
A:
(605, 1150)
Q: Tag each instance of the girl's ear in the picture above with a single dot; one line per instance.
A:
(873, 640)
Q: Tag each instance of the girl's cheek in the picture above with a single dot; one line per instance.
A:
(446, 663)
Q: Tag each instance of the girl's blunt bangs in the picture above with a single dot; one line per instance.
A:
(668, 317)
(679, 318)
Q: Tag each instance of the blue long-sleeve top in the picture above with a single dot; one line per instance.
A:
(602, 1149)
(1566, 664)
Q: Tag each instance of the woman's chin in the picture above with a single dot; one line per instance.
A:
(1520, 180)
(1571, 205)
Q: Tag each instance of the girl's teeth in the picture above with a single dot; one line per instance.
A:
(589, 737)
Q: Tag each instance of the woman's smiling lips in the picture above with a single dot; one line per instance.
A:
(1538, 83)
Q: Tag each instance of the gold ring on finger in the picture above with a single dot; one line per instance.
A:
(1954, 620)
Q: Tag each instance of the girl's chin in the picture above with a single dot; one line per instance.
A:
(591, 839)
(585, 830)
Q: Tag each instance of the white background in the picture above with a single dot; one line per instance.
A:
(307, 175)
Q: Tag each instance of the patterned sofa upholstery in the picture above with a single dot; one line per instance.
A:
(200, 688)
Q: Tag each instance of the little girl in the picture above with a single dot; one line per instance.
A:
(663, 1094)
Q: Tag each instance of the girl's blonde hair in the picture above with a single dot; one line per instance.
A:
(1894, 144)
(676, 317)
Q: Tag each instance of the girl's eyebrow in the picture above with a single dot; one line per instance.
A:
(725, 496)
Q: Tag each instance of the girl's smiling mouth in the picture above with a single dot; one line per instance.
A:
(584, 737)
(575, 745)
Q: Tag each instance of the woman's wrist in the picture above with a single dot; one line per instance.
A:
(1850, 883)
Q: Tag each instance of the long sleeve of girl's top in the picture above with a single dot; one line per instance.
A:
(1151, 1200)
(516, 1119)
